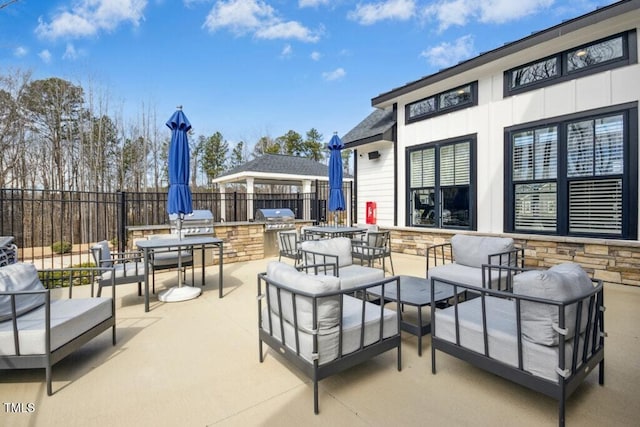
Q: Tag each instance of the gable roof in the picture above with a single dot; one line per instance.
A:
(376, 126)
(600, 14)
(273, 168)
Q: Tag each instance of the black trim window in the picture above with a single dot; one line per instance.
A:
(441, 184)
(445, 102)
(604, 54)
(574, 177)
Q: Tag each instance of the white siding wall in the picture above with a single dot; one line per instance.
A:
(375, 182)
(487, 121)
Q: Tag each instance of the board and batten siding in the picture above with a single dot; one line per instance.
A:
(375, 183)
(494, 113)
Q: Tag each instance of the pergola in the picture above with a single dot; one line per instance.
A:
(277, 169)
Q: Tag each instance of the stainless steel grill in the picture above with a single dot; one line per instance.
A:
(276, 219)
(199, 223)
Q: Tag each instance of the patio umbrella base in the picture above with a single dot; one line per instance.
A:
(179, 293)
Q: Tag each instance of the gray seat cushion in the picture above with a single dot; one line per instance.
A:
(69, 319)
(356, 275)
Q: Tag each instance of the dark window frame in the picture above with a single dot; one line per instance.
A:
(629, 174)
(472, 139)
(438, 110)
(629, 56)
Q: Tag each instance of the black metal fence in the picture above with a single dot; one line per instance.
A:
(46, 223)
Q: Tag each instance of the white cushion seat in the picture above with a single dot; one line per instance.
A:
(69, 319)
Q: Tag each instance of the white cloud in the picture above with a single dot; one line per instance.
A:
(370, 13)
(20, 51)
(287, 51)
(447, 54)
(45, 55)
(287, 30)
(88, 17)
(336, 74)
(257, 17)
(316, 56)
(312, 3)
(70, 52)
(459, 12)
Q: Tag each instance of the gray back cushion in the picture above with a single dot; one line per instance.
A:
(102, 254)
(19, 277)
(328, 308)
(562, 283)
(339, 246)
(473, 251)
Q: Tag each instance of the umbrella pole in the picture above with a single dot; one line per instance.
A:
(180, 219)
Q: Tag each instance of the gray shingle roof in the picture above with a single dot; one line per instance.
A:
(282, 164)
(373, 127)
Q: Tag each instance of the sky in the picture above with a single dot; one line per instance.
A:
(252, 68)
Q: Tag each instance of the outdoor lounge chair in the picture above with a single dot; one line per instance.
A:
(38, 327)
(289, 246)
(319, 327)
(372, 246)
(166, 259)
(126, 267)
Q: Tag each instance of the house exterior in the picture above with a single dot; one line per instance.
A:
(537, 138)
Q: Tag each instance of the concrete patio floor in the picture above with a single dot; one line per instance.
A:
(195, 363)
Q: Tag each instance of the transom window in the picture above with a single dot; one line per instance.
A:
(441, 187)
(574, 177)
(603, 54)
(451, 100)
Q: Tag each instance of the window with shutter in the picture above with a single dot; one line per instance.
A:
(440, 184)
(576, 177)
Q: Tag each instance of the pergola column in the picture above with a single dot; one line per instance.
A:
(306, 191)
(223, 202)
(250, 189)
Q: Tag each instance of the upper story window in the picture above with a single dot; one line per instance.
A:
(604, 54)
(445, 102)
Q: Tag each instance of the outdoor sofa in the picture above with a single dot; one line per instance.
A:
(319, 327)
(38, 329)
(462, 258)
(336, 257)
(545, 330)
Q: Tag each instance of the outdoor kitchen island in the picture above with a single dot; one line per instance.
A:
(243, 240)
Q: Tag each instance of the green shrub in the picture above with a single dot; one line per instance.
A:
(62, 279)
(61, 247)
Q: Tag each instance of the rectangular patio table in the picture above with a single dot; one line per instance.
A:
(416, 292)
(148, 246)
(335, 231)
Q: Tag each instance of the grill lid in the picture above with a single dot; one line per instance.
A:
(197, 215)
(280, 214)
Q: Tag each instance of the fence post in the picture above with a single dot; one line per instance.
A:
(122, 221)
(316, 220)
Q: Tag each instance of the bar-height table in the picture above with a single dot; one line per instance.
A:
(148, 246)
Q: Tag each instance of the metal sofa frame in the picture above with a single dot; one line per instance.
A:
(591, 354)
(314, 370)
(63, 277)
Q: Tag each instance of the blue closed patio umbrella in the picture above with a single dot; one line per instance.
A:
(336, 197)
(179, 200)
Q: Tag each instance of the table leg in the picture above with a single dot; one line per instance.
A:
(146, 279)
(420, 331)
(220, 270)
(204, 263)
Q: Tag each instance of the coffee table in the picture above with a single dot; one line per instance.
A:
(416, 292)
